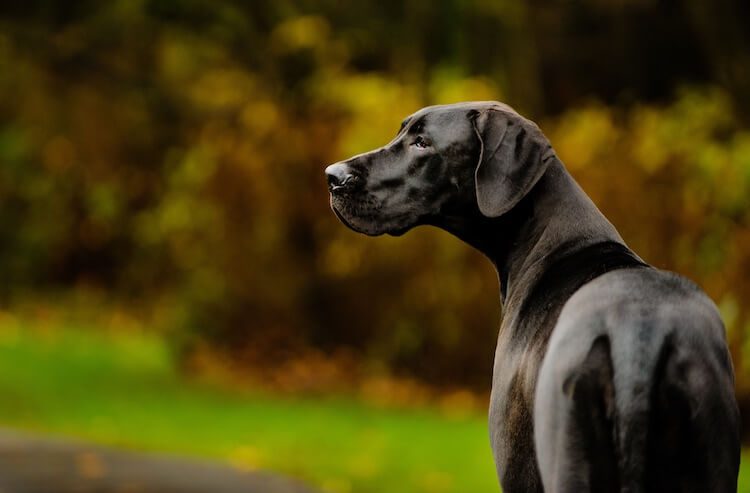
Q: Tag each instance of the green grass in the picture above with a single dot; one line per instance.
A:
(123, 390)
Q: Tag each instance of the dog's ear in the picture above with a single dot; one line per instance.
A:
(513, 156)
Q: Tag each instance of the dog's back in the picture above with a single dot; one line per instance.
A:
(634, 393)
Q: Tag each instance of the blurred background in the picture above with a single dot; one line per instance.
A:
(171, 278)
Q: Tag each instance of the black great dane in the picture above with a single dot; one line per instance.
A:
(609, 375)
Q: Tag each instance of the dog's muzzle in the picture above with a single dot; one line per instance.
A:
(341, 179)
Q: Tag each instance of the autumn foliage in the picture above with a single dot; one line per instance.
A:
(168, 157)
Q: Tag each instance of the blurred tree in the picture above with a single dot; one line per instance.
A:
(170, 153)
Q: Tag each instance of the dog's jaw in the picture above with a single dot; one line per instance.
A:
(359, 218)
(350, 224)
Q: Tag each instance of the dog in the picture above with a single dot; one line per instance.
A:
(609, 374)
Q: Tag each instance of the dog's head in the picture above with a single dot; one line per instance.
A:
(445, 160)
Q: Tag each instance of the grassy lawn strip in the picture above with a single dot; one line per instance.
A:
(122, 390)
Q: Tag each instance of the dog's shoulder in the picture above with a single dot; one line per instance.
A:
(638, 312)
(652, 302)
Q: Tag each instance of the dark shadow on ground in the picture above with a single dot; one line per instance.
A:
(31, 464)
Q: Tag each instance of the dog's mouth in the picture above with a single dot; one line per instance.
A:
(349, 219)
(366, 220)
(351, 226)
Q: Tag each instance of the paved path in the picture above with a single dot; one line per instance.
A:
(30, 464)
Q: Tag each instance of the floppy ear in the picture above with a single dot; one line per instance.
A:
(514, 155)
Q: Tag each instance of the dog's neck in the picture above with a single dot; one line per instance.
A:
(536, 232)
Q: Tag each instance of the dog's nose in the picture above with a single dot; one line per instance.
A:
(339, 177)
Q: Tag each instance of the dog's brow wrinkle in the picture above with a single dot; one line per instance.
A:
(417, 127)
(403, 125)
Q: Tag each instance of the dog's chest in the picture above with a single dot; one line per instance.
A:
(521, 346)
(510, 418)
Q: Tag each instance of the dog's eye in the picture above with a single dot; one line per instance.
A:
(421, 142)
